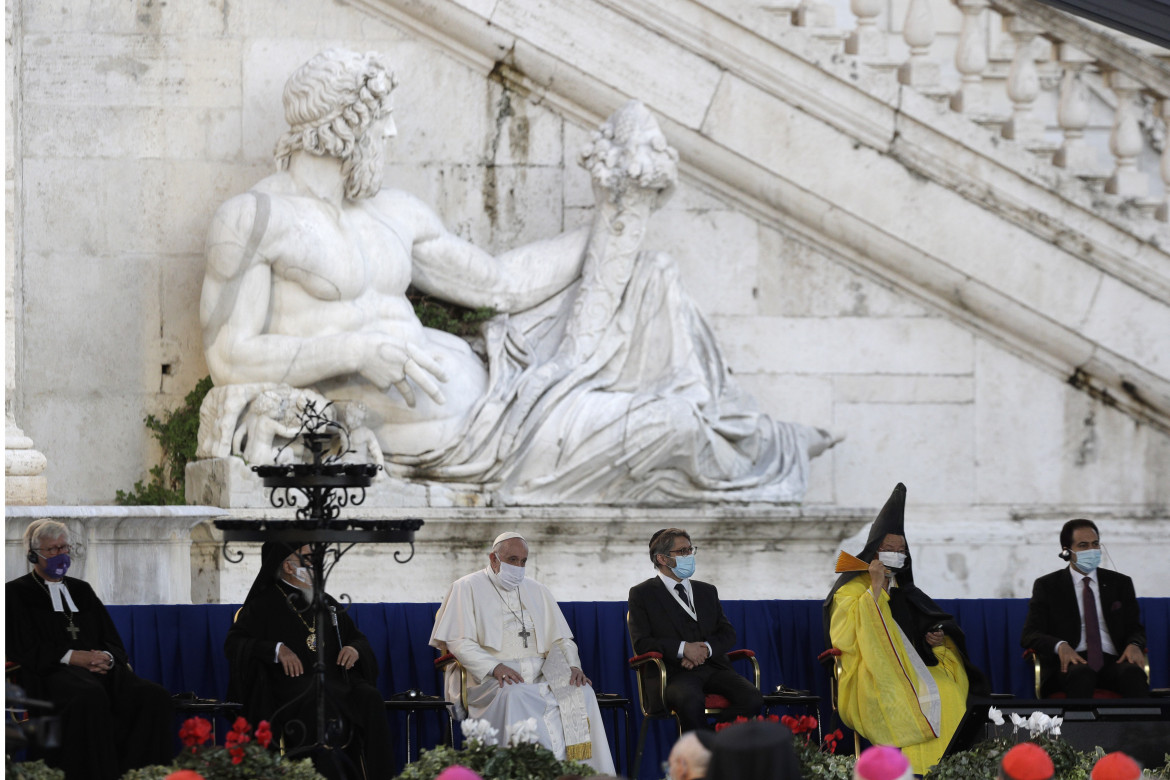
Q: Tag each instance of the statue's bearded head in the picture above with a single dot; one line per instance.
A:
(331, 104)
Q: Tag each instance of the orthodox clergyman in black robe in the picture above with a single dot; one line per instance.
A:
(271, 650)
(61, 636)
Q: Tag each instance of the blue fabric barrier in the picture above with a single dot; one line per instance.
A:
(181, 647)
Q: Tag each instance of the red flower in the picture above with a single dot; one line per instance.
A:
(235, 738)
(237, 755)
(832, 739)
(195, 731)
(801, 725)
(241, 726)
(264, 733)
(184, 774)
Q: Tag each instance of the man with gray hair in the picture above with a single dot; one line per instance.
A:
(682, 619)
(69, 653)
(512, 640)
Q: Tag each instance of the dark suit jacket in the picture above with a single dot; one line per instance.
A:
(1054, 614)
(658, 623)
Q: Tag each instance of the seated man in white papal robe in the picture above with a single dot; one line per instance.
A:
(521, 661)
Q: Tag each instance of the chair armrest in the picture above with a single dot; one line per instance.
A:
(645, 658)
(443, 661)
(738, 655)
(829, 655)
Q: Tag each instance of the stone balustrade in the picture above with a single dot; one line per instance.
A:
(1061, 71)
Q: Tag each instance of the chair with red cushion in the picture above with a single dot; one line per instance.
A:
(651, 675)
(831, 660)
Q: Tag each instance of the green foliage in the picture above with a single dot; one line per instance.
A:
(522, 762)
(155, 772)
(981, 762)
(177, 433)
(1164, 772)
(818, 764)
(31, 770)
(441, 315)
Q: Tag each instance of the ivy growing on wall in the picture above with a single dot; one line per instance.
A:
(177, 433)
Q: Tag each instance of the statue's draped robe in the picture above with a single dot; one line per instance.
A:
(479, 623)
(623, 403)
(885, 691)
(109, 723)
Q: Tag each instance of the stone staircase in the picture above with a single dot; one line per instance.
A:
(985, 199)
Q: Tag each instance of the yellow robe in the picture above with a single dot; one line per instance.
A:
(885, 692)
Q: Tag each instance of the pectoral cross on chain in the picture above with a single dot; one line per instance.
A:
(73, 630)
(524, 633)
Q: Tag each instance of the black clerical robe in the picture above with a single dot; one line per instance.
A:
(110, 723)
(289, 703)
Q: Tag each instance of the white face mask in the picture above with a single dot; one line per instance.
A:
(892, 560)
(511, 576)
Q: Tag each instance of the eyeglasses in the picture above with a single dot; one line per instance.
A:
(49, 552)
(684, 551)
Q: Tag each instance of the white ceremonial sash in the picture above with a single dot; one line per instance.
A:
(926, 689)
(571, 702)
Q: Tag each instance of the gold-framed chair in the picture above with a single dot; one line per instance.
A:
(831, 660)
(650, 672)
(1099, 693)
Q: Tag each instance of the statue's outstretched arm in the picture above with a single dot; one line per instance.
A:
(450, 268)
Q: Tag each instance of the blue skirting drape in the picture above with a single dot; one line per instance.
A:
(181, 647)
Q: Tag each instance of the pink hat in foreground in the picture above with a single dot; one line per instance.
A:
(458, 773)
(882, 763)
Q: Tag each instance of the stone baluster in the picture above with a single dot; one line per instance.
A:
(782, 11)
(1072, 112)
(1023, 84)
(919, 71)
(971, 59)
(867, 41)
(815, 13)
(1125, 140)
(1163, 212)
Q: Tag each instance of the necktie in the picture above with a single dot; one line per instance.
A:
(682, 594)
(1092, 629)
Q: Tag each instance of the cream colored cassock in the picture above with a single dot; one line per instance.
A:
(480, 623)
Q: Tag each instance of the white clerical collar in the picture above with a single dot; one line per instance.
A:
(57, 590)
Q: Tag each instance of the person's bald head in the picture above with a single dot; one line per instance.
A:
(689, 758)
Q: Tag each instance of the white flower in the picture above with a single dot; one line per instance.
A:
(995, 716)
(523, 732)
(479, 731)
(1018, 722)
(1054, 727)
(1038, 723)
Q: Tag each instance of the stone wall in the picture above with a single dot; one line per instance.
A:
(131, 121)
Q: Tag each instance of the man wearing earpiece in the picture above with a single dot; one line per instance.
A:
(68, 651)
(1084, 623)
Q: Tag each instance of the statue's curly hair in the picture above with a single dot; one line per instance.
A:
(330, 102)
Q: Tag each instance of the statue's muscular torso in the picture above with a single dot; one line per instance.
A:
(344, 270)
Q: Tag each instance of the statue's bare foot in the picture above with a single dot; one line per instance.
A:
(825, 439)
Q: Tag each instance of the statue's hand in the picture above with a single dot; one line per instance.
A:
(389, 363)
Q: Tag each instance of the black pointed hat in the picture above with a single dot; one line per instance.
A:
(891, 520)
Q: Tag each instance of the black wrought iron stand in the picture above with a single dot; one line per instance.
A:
(326, 487)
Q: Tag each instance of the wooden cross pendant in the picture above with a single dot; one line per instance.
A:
(524, 633)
